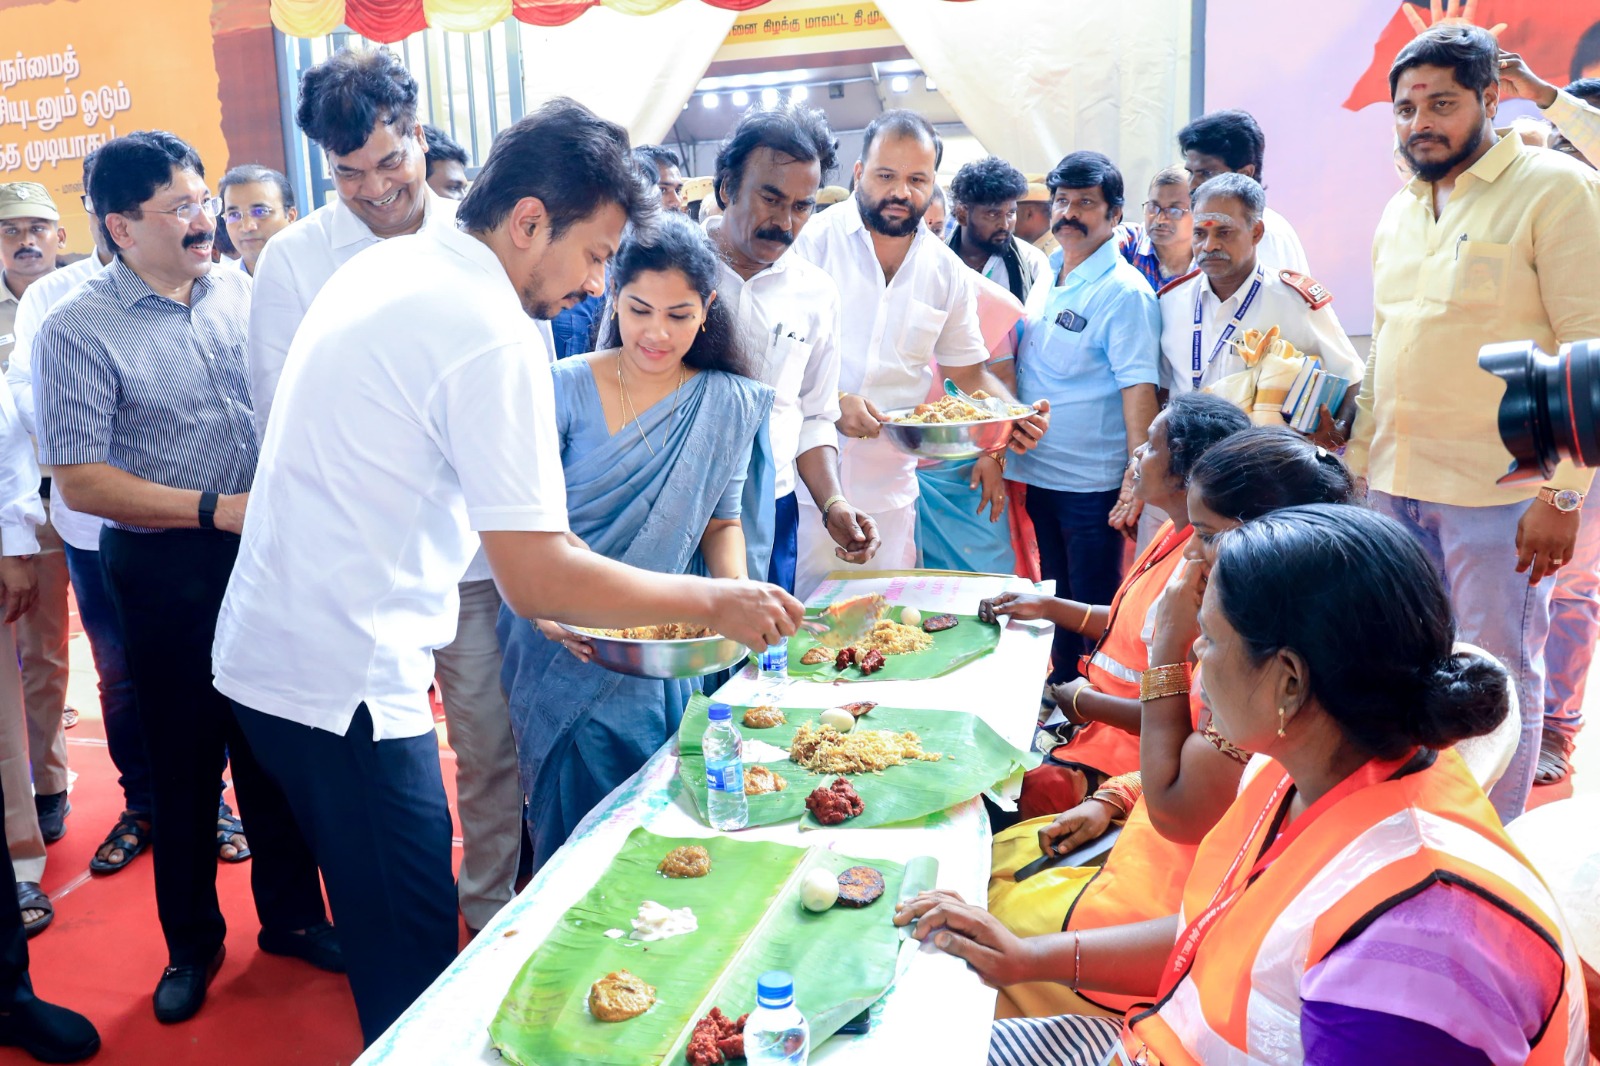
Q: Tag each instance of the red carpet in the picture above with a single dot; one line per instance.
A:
(104, 952)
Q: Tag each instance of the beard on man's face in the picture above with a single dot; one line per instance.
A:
(872, 214)
(996, 243)
(540, 309)
(1431, 171)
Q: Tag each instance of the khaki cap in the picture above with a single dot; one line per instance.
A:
(695, 189)
(832, 194)
(27, 199)
(1037, 193)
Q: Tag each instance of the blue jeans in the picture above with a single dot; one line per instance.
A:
(1495, 607)
(119, 710)
(1081, 553)
(1574, 628)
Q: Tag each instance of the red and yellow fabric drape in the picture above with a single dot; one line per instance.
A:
(388, 21)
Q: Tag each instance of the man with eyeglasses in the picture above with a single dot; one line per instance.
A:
(986, 193)
(1160, 247)
(144, 415)
(257, 203)
(360, 107)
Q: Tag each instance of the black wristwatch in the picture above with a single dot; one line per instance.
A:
(208, 510)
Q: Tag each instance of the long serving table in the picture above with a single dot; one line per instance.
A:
(937, 1012)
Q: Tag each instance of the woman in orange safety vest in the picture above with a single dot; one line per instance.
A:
(1188, 774)
(1360, 901)
(1104, 702)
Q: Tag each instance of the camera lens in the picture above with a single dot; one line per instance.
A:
(1551, 408)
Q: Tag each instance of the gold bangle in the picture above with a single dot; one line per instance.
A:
(1088, 613)
(1077, 959)
(1161, 681)
(1081, 720)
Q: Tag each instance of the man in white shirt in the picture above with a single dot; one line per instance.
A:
(1231, 141)
(80, 537)
(922, 321)
(416, 416)
(1232, 292)
(379, 168)
(768, 172)
(986, 194)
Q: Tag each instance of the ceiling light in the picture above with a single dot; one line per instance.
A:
(899, 83)
(709, 101)
(739, 98)
(799, 93)
(769, 97)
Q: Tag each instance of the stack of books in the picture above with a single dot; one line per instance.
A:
(1312, 388)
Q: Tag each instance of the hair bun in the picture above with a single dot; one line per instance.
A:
(1466, 695)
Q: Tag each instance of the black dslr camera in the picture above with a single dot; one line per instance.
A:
(1551, 409)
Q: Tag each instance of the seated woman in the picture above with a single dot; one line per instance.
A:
(1104, 704)
(1359, 901)
(1188, 774)
(663, 440)
(960, 504)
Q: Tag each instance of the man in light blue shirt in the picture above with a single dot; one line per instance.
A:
(1091, 346)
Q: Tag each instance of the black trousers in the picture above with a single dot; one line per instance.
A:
(167, 588)
(14, 985)
(377, 818)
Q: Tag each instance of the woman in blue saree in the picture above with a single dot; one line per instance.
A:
(663, 441)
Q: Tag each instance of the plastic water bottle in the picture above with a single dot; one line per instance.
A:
(725, 799)
(776, 1031)
(774, 666)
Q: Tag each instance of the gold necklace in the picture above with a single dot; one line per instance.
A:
(627, 405)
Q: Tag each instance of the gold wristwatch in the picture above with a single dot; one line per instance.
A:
(1564, 500)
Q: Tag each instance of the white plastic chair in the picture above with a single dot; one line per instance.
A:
(1489, 755)
(1562, 840)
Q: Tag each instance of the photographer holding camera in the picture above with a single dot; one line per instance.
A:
(1491, 241)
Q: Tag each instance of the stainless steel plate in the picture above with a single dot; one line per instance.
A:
(664, 659)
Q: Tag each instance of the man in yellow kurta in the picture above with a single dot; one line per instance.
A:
(1493, 240)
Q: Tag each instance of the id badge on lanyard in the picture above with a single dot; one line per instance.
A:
(1198, 367)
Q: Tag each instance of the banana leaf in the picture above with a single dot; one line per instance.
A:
(843, 960)
(976, 760)
(953, 648)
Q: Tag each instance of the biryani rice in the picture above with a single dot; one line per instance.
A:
(825, 750)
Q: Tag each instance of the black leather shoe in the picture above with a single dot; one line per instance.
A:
(53, 810)
(318, 945)
(47, 1032)
(182, 989)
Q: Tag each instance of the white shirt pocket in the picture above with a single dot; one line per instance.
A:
(920, 331)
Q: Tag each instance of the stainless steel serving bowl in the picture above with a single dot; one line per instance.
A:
(664, 659)
(948, 440)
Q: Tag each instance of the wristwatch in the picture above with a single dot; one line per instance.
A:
(208, 510)
(1564, 500)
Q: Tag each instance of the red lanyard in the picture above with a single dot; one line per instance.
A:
(1227, 895)
(1169, 544)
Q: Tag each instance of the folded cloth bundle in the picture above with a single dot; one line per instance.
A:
(1271, 366)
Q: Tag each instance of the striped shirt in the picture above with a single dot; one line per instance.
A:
(156, 388)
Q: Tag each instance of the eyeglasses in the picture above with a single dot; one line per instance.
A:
(259, 212)
(1151, 208)
(187, 213)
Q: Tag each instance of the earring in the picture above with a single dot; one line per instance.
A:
(1282, 720)
(703, 326)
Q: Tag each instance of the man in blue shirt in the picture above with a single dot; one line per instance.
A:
(1091, 346)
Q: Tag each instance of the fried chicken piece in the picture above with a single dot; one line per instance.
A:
(835, 803)
(872, 662)
(716, 1039)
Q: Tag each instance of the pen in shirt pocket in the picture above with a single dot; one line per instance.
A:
(1459, 242)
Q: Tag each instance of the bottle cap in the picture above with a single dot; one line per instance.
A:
(775, 988)
(720, 712)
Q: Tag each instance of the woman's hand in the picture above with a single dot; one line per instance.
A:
(580, 646)
(1177, 622)
(1023, 606)
(989, 477)
(971, 934)
(1073, 829)
(1065, 693)
(1124, 516)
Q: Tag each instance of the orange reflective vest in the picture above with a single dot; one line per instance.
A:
(1232, 990)
(1142, 879)
(1122, 654)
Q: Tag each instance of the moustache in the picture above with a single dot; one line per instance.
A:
(29, 253)
(894, 201)
(192, 239)
(1217, 257)
(1423, 138)
(1070, 223)
(773, 233)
